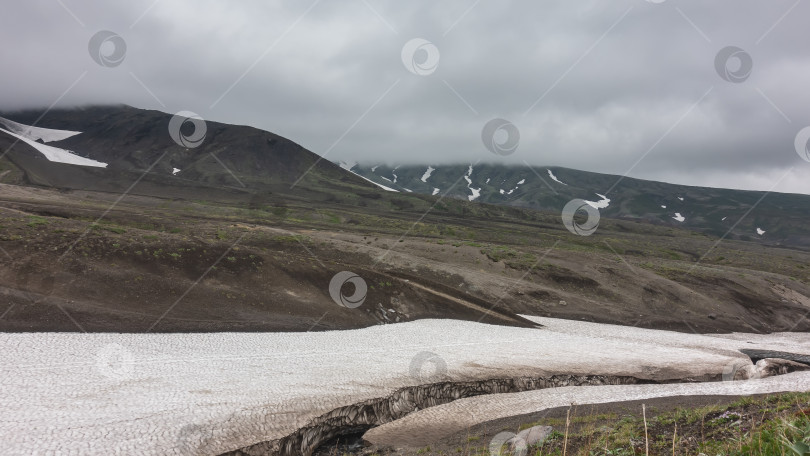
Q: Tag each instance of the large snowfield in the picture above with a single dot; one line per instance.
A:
(209, 393)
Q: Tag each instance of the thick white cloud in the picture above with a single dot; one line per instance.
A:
(613, 79)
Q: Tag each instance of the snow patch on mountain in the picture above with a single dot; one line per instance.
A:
(517, 186)
(679, 218)
(388, 189)
(435, 191)
(56, 154)
(175, 171)
(37, 133)
(554, 178)
(760, 231)
(601, 204)
(476, 192)
(427, 174)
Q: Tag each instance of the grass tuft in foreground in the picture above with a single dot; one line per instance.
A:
(769, 425)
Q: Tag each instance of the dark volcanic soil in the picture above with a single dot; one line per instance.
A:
(158, 264)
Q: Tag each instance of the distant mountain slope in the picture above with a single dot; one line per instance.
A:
(245, 165)
(778, 219)
(231, 162)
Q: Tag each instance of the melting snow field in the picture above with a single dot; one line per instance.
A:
(209, 393)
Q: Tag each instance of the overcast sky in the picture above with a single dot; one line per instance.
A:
(621, 86)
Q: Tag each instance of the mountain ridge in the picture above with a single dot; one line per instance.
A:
(716, 211)
(248, 165)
